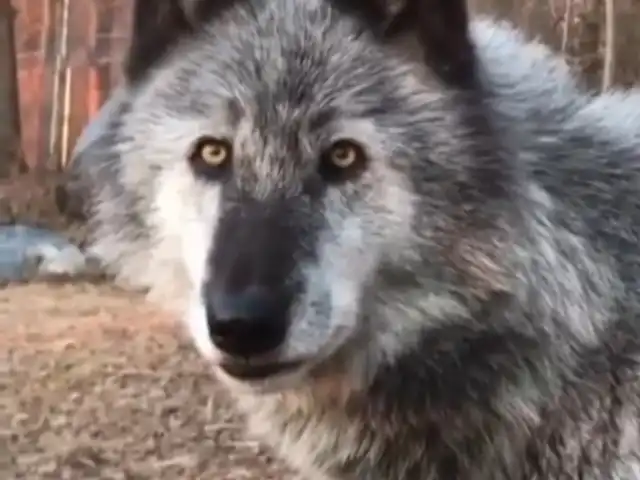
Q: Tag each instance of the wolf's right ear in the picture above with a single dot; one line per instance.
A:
(440, 29)
(158, 24)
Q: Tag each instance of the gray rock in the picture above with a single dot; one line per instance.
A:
(28, 252)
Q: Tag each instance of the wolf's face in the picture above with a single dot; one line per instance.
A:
(280, 140)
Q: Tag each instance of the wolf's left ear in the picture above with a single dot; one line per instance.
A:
(440, 27)
(159, 24)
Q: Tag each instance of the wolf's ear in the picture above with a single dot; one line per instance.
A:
(440, 28)
(158, 24)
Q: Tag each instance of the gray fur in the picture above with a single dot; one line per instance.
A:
(451, 329)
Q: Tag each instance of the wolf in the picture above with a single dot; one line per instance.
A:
(405, 238)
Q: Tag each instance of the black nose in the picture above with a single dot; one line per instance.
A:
(248, 324)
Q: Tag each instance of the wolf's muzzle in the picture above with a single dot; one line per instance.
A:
(249, 324)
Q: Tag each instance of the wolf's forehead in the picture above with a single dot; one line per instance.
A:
(293, 53)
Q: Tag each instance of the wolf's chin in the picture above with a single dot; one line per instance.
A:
(287, 379)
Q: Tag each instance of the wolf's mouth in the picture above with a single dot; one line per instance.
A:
(248, 372)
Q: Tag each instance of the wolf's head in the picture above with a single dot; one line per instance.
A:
(305, 158)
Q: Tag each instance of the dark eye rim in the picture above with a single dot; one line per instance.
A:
(336, 174)
(200, 166)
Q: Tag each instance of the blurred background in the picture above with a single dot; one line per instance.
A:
(60, 58)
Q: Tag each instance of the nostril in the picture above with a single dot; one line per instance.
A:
(247, 337)
(247, 325)
(221, 329)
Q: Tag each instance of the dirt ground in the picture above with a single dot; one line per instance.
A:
(94, 384)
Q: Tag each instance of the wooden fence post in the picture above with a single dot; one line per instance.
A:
(10, 157)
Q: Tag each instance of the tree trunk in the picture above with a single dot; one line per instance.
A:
(10, 158)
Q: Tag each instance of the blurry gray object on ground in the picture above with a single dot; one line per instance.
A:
(28, 252)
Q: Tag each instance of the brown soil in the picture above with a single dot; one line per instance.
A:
(94, 384)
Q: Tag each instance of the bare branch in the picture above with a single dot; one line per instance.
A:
(568, 14)
(610, 45)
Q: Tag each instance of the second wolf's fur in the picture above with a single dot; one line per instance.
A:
(470, 299)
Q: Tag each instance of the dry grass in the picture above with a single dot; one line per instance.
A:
(96, 385)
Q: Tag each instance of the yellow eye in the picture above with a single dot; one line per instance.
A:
(211, 151)
(345, 154)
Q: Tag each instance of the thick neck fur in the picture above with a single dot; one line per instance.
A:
(474, 393)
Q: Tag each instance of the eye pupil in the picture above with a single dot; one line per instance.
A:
(213, 151)
(341, 153)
